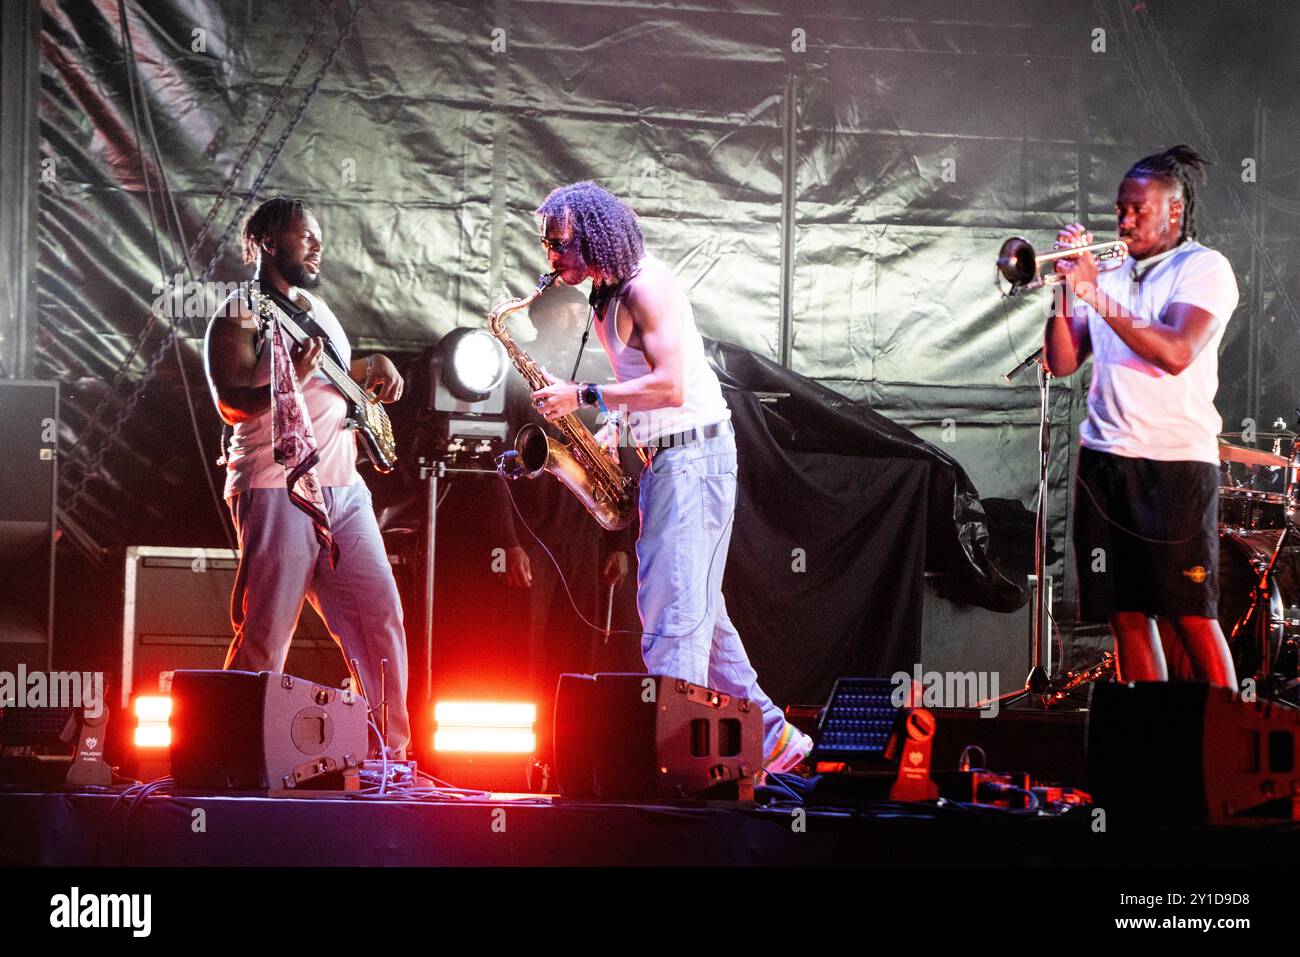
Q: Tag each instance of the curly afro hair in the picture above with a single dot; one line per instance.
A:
(608, 234)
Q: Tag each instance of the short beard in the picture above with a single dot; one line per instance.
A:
(296, 274)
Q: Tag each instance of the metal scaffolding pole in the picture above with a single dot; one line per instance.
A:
(20, 178)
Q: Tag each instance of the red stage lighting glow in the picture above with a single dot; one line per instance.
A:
(485, 727)
(152, 715)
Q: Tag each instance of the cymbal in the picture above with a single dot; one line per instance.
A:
(1249, 456)
(1256, 436)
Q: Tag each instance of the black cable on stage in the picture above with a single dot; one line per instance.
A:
(137, 794)
(776, 776)
(622, 631)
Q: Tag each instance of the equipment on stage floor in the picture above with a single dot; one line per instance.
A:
(581, 465)
(52, 747)
(1183, 752)
(857, 722)
(1019, 265)
(177, 615)
(488, 745)
(1259, 559)
(651, 736)
(870, 732)
(264, 731)
(1259, 590)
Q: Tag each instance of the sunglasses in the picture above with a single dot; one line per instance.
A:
(558, 246)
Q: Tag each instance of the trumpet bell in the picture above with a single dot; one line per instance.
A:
(1023, 268)
(1017, 262)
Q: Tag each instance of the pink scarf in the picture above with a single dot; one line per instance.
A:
(293, 442)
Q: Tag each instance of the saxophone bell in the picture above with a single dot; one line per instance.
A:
(534, 448)
(536, 452)
(531, 455)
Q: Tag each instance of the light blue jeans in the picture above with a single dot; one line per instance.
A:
(281, 563)
(688, 503)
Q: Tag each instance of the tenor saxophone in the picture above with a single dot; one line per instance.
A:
(580, 463)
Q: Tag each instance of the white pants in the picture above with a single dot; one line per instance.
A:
(281, 563)
(688, 502)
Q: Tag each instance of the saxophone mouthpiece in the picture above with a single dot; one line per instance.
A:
(545, 279)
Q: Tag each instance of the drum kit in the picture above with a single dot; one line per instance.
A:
(1259, 558)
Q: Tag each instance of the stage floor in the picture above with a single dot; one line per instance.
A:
(98, 829)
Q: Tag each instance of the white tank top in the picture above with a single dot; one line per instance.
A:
(702, 394)
(250, 462)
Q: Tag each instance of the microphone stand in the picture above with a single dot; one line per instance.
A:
(1039, 681)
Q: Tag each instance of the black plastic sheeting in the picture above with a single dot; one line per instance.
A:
(840, 512)
(801, 417)
(839, 515)
(830, 179)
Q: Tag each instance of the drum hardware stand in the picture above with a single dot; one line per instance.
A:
(1103, 670)
(1269, 683)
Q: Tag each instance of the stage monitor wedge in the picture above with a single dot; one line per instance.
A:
(627, 736)
(263, 731)
(1183, 752)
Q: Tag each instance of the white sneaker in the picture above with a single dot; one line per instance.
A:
(790, 750)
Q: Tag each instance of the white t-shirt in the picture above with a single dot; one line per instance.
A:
(1136, 409)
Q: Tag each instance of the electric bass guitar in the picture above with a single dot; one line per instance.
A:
(365, 414)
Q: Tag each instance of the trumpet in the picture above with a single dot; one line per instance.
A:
(1020, 266)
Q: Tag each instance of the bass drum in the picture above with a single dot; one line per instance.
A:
(1276, 656)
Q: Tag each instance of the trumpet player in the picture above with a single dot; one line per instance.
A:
(1146, 498)
(676, 413)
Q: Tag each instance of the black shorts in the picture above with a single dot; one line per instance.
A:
(1146, 536)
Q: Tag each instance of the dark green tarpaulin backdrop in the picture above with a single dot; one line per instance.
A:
(831, 180)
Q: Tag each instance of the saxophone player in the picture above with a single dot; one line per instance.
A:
(676, 413)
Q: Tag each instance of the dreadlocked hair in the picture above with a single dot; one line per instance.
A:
(1179, 164)
(608, 235)
(266, 221)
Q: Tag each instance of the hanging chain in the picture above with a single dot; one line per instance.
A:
(113, 431)
(226, 190)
